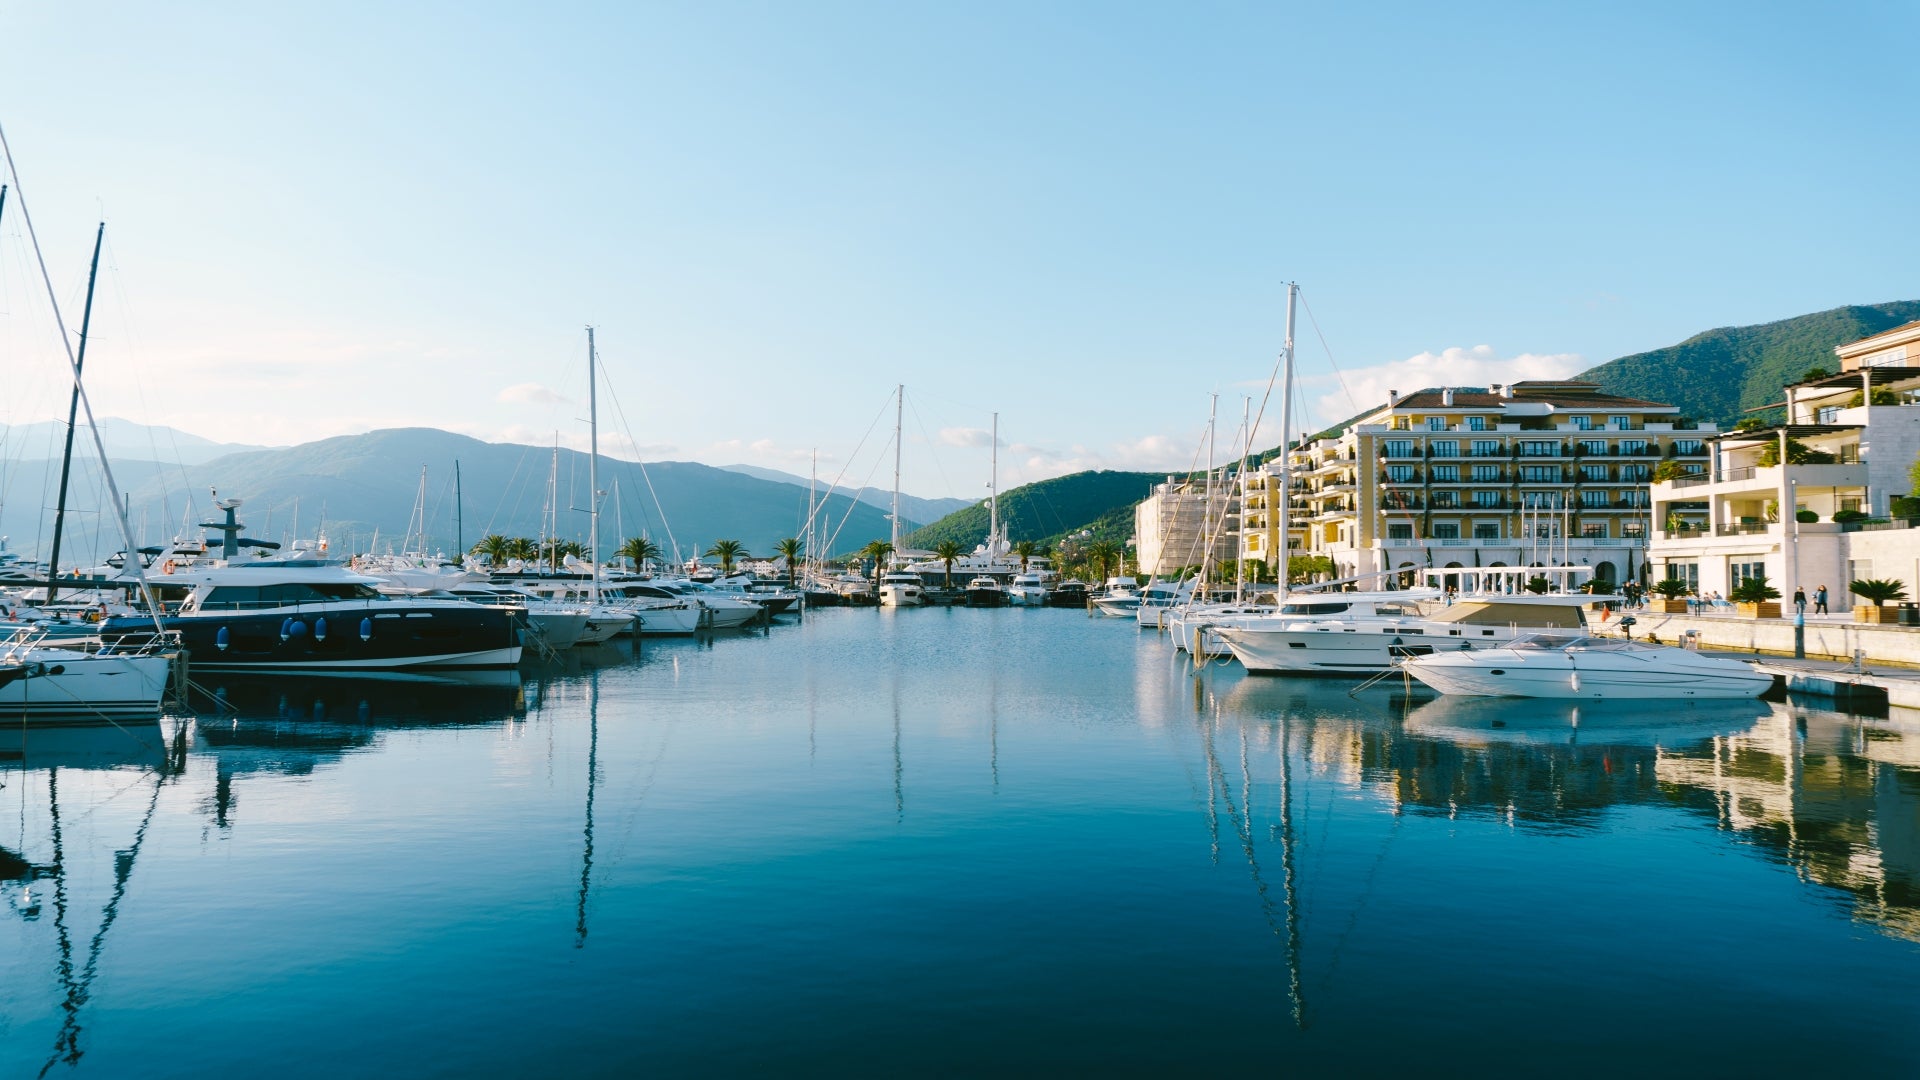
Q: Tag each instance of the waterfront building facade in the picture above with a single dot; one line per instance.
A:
(1193, 522)
(1841, 461)
(1525, 474)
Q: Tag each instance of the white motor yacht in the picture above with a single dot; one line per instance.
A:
(902, 588)
(1581, 667)
(1118, 598)
(1496, 607)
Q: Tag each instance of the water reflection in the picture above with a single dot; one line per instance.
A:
(129, 760)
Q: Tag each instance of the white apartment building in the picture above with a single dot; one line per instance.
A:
(1848, 446)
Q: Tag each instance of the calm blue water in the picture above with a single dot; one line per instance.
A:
(955, 841)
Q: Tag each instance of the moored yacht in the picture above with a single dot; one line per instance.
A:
(1577, 666)
(902, 588)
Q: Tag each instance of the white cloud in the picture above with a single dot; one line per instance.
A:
(966, 437)
(1339, 397)
(527, 393)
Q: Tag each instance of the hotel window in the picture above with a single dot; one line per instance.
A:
(1476, 423)
(1446, 474)
(1399, 448)
(1436, 423)
(1594, 472)
(1400, 474)
(1584, 423)
(1486, 474)
(1486, 498)
(1596, 447)
(1400, 532)
(1539, 448)
(1540, 474)
(1486, 530)
(1446, 447)
(1446, 530)
(1486, 448)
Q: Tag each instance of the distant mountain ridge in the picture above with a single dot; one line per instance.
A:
(357, 485)
(914, 510)
(1720, 374)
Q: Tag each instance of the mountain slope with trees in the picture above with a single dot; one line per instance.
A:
(1719, 374)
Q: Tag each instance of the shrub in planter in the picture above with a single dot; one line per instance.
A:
(1878, 590)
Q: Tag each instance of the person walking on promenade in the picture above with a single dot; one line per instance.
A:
(1820, 600)
(1799, 601)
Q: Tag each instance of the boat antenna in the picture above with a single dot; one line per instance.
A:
(73, 361)
(73, 406)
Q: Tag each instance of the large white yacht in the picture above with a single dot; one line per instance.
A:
(1579, 667)
(1495, 609)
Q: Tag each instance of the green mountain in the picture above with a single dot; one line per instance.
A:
(1047, 510)
(358, 484)
(1720, 374)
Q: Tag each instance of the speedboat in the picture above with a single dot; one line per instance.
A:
(1550, 665)
(902, 588)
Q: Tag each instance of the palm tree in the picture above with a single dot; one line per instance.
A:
(947, 551)
(496, 549)
(727, 551)
(1103, 553)
(522, 548)
(879, 551)
(640, 550)
(1026, 549)
(791, 550)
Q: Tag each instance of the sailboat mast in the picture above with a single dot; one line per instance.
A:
(899, 415)
(73, 410)
(1286, 442)
(993, 493)
(593, 471)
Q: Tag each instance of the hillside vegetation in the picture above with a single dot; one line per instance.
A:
(1720, 374)
(1047, 510)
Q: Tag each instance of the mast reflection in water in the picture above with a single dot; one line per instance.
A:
(699, 858)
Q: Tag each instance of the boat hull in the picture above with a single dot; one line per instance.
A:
(347, 636)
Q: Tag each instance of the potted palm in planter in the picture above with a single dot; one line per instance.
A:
(1756, 599)
(1878, 590)
(1673, 593)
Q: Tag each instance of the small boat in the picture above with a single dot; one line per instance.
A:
(1118, 598)
(984, 591)
(1575, 666)
(902, 588)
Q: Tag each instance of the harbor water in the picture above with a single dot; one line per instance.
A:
(952, 841)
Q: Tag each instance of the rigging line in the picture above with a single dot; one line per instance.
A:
(932, 453)
(1354, 406)
(80, 389)
(625, 425)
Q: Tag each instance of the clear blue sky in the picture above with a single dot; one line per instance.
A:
(329, 218)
